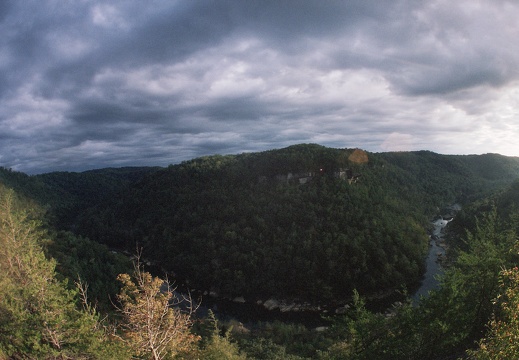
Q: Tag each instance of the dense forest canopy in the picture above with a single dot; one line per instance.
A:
(304, 222)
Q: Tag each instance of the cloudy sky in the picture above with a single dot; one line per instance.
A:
(87, 84)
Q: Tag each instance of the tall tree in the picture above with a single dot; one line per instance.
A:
(502, 341)
(153, 324)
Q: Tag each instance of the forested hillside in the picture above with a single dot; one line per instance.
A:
(303, 222)
(307, 221)
(46, 308)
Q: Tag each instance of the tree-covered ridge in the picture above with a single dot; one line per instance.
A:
(337, 219)
(237, 225)
(248, 225)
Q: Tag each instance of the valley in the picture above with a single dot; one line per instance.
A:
(322, 245)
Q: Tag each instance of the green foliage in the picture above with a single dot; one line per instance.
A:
(236, 223)
(69, 194)
(218, 347)
(265, 349)
(229, 223)
(452, 318)
(502, 341)
(39, 317)
(361, 334)
(244, 225)
(278, 340)
(80, 258)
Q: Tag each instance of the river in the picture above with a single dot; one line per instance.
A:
(433, 267)
(436, 254)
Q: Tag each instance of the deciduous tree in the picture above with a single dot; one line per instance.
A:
(153, 323)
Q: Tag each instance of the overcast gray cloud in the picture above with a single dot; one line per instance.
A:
(88, 84)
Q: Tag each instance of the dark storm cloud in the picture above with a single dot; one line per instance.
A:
(93, 84)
